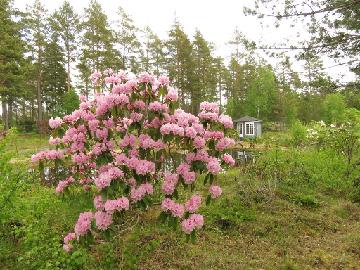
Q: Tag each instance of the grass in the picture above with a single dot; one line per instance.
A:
(252, 226)
(27, 144)
(274, 234)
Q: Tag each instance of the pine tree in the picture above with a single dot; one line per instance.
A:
(97, 42)
(66, 22)
(36, 22)
(153, 56)
(204, 81)
(180, 65)
(127, 39)
(54, 76)
(11, 58)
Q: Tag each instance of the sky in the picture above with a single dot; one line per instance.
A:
(216, 20)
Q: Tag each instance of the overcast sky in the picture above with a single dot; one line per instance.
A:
(216, 19)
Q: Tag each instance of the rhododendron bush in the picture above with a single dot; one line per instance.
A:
(121, 147)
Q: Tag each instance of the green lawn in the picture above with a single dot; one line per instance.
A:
(27, 144)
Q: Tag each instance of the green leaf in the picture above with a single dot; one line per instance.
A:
(208, 199)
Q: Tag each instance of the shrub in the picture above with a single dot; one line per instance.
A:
(71, 102)
(298, 133)
(121, 147)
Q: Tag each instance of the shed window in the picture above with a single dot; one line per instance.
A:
(240, 128)
(249, 128)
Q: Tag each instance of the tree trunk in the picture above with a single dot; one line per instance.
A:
(10, 112)
(68, 72)
(32, 110)
(4, 113)
(39, 97)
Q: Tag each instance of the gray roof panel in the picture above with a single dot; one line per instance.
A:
(247, 119)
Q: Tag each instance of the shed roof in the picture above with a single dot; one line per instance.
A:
(247, 119)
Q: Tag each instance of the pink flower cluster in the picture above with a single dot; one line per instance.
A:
(195, 221)
(193, 204)
(224, 143)
(67, 239)
(176, 209)
(83, 224)
(169, 184)
(118, 146)
(139, 193)
(103, 220)
(226, 121)
(55, 123)
(49, 154)
(214, 166)
(172, 95)
(64, 184)
(215, 191)
(106, 176)
(172, 128)
(228, 159)
(117, 205)
(157, 106)
(184, 170)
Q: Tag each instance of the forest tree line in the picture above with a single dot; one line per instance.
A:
(46, 60)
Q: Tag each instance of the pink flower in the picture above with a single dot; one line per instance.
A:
(195, 221)
(177, 210)
(54, 141)
(172, 94)
(80, 158)
(146, 78)
(67, 247)
(169, 184)
(215, 191)
(213, 135)
(145, 141)
(226, 121)
(139, 193)
(172, 128)
(136, 117)
(199, 142)
(93, 124)
(98, 202)
(117, 205)
(156, 106)
(69, 237)
(64, 184)
(189, 177)
(208, 116)
(228, 159)
(208, 106)
(139, 104)
(83, 224)
(55, 123)
(61, 186)
(102, 134)
(144, 167)
(164, 80)
(193, 204)
(224, 143)
(128, 140)
(183, 168)
(103, 220)
(95, 77)
(168, 187)
(190, 132)
(213, 166)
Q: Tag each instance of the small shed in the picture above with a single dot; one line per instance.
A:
(248, 127)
